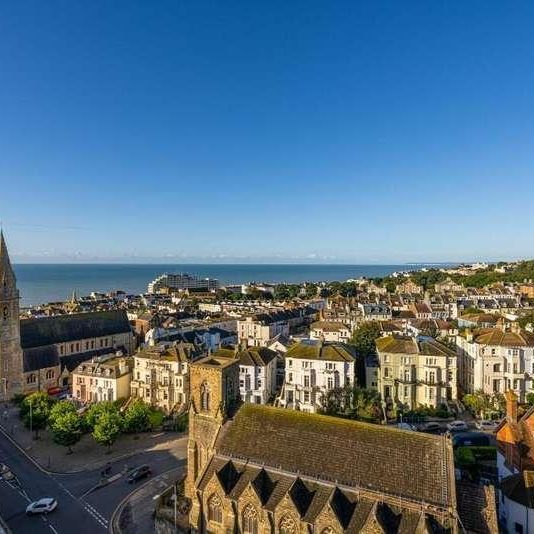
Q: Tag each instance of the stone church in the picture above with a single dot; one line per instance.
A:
(39, 354)
(11, 361)
(256, 469)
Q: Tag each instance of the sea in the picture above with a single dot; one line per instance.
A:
(41, 283)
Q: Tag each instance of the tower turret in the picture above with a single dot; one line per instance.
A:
(11, 365)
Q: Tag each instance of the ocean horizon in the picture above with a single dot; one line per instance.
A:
(47, 282)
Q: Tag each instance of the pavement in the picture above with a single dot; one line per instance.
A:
(84, 506)
(87, 454)
(135, 513)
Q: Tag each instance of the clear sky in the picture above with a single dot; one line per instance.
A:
(330, 131)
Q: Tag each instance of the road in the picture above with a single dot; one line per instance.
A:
(81, 507)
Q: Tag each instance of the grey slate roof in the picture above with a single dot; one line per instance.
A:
(62, 328)
(40, 358)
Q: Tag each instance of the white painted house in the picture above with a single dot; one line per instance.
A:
(257, 372)
(312, 369)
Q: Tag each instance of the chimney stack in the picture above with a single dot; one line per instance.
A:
(468, 335)
(511, 406)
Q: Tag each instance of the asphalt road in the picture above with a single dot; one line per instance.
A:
(81, 507)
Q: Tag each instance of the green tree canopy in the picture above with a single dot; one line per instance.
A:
(60, 409)
(137, 417)
(97, 410)
(108, 428)
(35, 409)
(66, 426)
(352, 402)
(364, 338)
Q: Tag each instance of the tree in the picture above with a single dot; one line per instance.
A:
(526, 319)
(364, 337)
(60, 409)
(352, 402)
(34, 411)
(137, 417)
(530, 399)
(66, 428)
(96, 411)
(108, 428)
(478, 402)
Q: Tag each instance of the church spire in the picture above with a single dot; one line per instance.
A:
(7, 276)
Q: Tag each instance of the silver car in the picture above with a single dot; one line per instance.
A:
(42, 506)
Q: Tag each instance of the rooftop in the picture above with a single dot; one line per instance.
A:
(378, 458)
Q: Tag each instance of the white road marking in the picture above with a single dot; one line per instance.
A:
(96, 514)
(53, 529)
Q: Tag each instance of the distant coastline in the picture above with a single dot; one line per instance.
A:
(47, 282)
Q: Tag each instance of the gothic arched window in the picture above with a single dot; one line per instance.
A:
(215, 509)
(328, 530)
(5, 313)
(205, 397)
(250, 520)
(287, 525)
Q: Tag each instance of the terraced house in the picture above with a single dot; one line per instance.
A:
(161, 375)
(257, 372)
(416, 371)
(263, 470)
(497, 360)
(313, 368)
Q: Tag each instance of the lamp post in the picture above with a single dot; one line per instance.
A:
(175, 509)
(31, 416)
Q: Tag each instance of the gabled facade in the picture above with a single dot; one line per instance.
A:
(257, 372)
(496, 360)
(414, 372)
(312, 368)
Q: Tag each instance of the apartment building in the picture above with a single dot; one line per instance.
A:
(161, 375)
(257, 372)
(312, 369)
(257, 330)
(102, 379)
(330, 331)
(496, 360)
(374, 312)
(415, 371)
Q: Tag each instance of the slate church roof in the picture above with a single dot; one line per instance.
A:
(394, 462)
(62, 328)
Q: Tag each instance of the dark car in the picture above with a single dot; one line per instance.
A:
(471, 439)
(138, 474)
(432, 428)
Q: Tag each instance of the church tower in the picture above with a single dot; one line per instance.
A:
(11, 366)
(214, 397)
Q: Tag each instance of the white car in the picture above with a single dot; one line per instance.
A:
(42, 506)
(486, 424)
(457, 426)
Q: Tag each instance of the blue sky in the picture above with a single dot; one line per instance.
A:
(364, 132)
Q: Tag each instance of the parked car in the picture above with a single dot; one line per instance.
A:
(433, 427)
(42, 506)
(486, 424)
(405, 426)
(457, 426)
(472, 439)
(138, 474)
